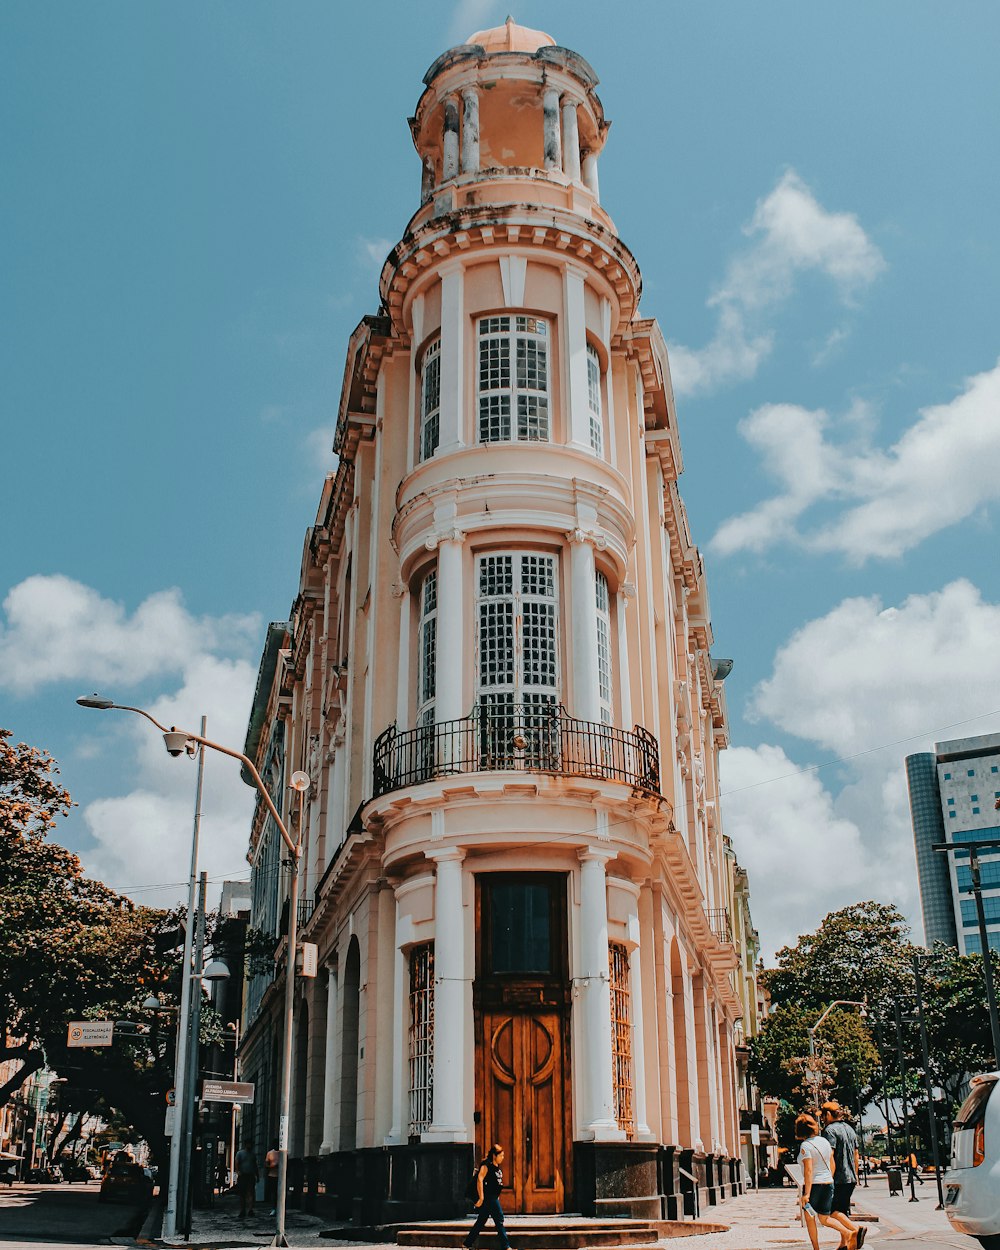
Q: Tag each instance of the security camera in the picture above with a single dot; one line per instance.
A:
(176, 742)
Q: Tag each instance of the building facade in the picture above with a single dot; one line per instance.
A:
(498, 676)
(953, 793)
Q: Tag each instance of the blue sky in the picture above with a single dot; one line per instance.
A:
(197, 201)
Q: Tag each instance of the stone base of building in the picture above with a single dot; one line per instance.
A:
(422, 1181)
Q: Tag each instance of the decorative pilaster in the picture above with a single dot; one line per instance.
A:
(470, 130)
(576, 345)
(330, 1083)
(595, 1000)
(449, 998)
(449, 695)
(583, 590)
(452, 410)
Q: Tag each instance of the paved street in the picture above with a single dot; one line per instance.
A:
(31, 1215)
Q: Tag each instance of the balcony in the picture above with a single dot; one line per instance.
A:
(509, 737)
(718, 922)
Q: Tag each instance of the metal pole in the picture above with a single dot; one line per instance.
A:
(190, 1092)
(234, 1114)
(184, 1016)
(991, 997)
(906, 1104)
(925, 1049)
(279, 1238)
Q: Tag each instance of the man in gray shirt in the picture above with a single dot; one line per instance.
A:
(846, 1156)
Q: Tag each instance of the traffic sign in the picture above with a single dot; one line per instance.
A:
(171, 1097)
(91, 1033)
(227, 1091)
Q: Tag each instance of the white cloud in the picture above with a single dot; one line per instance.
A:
(471, 16)
(876, 684)
(371, 253)
(941, 471)
(803, 859)
(58, 630)
(319, 448)
(791, 233)
(142, 839)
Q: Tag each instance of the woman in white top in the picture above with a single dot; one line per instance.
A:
(816, 1157)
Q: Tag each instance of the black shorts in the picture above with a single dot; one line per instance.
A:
(842, 1197)
(821, 1199)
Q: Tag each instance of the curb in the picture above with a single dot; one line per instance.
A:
(150, 1231)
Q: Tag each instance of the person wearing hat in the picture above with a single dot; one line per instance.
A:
(846, 1155)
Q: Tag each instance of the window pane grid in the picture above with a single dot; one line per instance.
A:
(594, 400)
(603, 647)
(522, 386)
(421, 1047)
(621, 1036)
(427, 650)
(430, 401)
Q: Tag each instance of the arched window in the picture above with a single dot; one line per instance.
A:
(421, 1056)
(621, 1036)
(594, 400)
(513, 379)
(430, 401)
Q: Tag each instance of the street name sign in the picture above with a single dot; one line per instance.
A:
(227, 1091)
(90, 1033)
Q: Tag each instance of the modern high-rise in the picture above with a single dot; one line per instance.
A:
(953, 794)
(498, 676)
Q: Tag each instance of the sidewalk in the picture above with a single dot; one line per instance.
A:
(758, 1221)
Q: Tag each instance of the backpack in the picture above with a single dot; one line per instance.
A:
(472, 1189)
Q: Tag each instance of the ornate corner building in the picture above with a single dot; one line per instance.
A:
(498, 675)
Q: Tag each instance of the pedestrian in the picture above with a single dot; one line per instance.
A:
(247, 1174)
(271, 1161)
(816, 1157)
(913, 1163)
(846, 1156)
(489, 1183)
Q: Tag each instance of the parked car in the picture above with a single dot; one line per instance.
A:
(972, 1183)
(72, 1170)
(126, 1182)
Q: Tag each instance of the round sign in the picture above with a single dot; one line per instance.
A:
(171, 1098)
(75, 1032)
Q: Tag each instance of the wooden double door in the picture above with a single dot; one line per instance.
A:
(522, 1032)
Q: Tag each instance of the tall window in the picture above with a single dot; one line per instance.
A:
(427, 650)
(421, 1049)
(604, 647)
(621, 1036)
(430, 401)
(513, 379)
(594, 400)
(518, 679)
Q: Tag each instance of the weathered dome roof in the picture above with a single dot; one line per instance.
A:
(511, 38)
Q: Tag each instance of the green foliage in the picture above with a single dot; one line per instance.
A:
(843, 1065)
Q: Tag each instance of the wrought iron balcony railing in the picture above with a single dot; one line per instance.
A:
(511, 737)
(718, 922)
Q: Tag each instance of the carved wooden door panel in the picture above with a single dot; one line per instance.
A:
(524, 1106)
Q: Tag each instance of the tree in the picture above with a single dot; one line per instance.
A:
(842, 1068)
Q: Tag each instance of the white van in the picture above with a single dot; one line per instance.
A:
(972, 1185)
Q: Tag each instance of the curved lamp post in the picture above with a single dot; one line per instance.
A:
(837, 1002)
(182, 741)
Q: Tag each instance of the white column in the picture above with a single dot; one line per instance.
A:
(450, 139)
(624, 676)
(552, 140)
(449, 998)
(586, 699)
(576, 358)
(330, 1089)
(470, 131)
(449, 698)
(400, 1020)
(595, 1000)
(570, 140)
(590, 175)
(452, 416)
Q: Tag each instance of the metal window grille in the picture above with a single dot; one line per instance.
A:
(421, 1049)
(604, 647)
(594, 399)
(430, 401)
(621, 1036)
(522, 389)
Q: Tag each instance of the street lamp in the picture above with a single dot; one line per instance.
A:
(178, 742)
(812, 1029)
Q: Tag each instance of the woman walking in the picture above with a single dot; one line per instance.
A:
(816, 1157)
(489, 1183)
